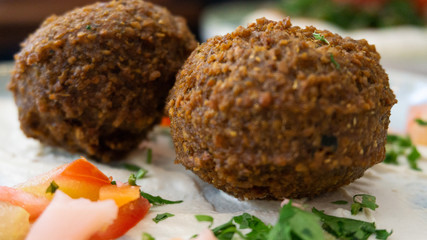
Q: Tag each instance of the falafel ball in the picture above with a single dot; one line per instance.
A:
(274, 111)
(95, 79)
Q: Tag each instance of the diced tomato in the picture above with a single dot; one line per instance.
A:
(79, 178)
(417, 132)
(129, 215)
(33, 204)
(120, 194)
(166, 122)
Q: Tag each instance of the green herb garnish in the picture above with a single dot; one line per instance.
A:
(132, 180)
(401, 146)
(162, 216)
(295, 223)
(88, 27)
(149, 155)
(421, 122)
(113, 183)
(337, 65)
(157, 200)
(205, 218)
(141, 173)
(346, 228)
(130, 167)
(368, 201)
(52, 187)
(147, 236)
(320, 37)
(340, 202)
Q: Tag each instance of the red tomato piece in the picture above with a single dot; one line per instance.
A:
(129, 215)
(33, 204)
(79, 178)
(417, 132)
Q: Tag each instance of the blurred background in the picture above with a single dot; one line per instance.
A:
(396, 27)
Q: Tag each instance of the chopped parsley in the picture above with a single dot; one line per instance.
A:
(132, 180)
(113, 183)
(141, 173)
(401, 146)
(130, 167)
(205, 218)
(147, 236)
(88, 27)
(149, 155)
(337, 65)
(162, 216)
(346, 228)
(52, 187)
(421, 122)
(157, 200)
(340, 202)
(368, 201)
(320, 37)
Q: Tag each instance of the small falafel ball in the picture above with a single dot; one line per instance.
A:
(271, 111)
(95, 79)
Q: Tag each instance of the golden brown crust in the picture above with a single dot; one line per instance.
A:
(263, 112)
(95, 79)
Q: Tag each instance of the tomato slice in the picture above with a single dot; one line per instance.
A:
(33, 204)
(79, 178)
(120, 194)
(129, 215)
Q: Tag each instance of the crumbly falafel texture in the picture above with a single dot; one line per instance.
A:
(270, 112)
(95, 79)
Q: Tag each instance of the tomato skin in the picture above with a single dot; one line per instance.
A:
(33, 204)
(79, 178)
(129, 215)
(122, 194)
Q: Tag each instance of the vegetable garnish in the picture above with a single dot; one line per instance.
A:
(147, 236)
(337, 65)
(130, 167)
(132, 180)
(88, 27)
(295, 222)
(52, 187)
(401, 146)
(346, 228)
(205, 218)
(320, 37)
(113, 183)
(340, 202)
(149, 155)
(421, 122)
(162, 216)
(157, 200)
(368, 201)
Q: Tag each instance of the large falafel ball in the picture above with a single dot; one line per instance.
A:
(271, 111)
(95, 80)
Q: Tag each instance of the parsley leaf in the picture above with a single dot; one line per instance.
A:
(132, 180)
(52, 187)
(157, 200)
(147, 236)
(88, 27)
(205, 218)
(346, 228)
(259, 230)
(337, 65)
(383, 234)
(401, 146)
(130, 167)
(368, 201)
(113, 183)
(421, 122)
(295, 223)
(149, 155)
(162, 216)
(320, 37)
(340, 202)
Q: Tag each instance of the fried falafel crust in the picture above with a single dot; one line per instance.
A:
(95, 79)
(265, 113)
